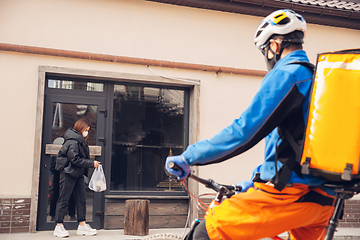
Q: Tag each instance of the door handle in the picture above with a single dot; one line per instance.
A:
(102, 139)
(100, 213)
(103, 111)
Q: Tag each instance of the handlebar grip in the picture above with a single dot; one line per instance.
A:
(173, 165)
(207, 183)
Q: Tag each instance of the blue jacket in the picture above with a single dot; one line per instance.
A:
(282, 101)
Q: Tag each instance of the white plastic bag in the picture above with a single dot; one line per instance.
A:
(98, 182)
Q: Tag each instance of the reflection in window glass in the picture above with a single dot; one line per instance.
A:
(64, 116)
(74, 85)
(148, 125)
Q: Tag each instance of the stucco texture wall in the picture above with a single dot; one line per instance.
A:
(133, 28)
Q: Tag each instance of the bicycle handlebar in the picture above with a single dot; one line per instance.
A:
(208, 183)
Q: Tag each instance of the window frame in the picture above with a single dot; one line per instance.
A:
(127, 194)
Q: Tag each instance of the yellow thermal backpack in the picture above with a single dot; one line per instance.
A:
(331, 146)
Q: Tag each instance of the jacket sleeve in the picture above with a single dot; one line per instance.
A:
(73, 155)
(264, 113)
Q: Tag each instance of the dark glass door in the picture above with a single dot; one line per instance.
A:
(61, 112)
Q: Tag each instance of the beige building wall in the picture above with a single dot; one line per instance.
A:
(133, 28)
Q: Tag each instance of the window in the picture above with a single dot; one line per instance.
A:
(76, 85)
(148, 126)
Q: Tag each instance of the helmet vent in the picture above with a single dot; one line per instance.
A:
(258, 33)
(284, 21)
(265, 25)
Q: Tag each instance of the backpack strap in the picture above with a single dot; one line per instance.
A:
(308, 65)
(290, 165)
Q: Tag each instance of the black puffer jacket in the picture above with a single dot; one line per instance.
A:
(73, 157)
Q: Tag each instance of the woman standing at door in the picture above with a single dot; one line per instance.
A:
(73, 163)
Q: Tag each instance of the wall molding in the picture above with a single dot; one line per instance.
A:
(127, 60)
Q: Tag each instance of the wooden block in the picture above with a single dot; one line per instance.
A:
(136, 217)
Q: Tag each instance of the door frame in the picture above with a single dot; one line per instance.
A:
(194, 116)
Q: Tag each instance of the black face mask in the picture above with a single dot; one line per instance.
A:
(270, 63)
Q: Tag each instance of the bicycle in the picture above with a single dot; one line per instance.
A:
(222, 191)
(344, 190)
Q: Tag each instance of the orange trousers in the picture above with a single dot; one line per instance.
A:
(266, 212)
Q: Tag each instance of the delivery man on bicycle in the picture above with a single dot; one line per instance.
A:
(281, 198)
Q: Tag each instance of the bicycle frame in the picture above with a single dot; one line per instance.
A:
(221, 190)
(344, 191)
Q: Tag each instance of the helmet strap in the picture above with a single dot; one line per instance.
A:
(270, 63)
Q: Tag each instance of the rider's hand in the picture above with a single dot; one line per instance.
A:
(245, 185)
(180, 162)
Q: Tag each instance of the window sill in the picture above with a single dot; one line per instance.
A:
(144, 197)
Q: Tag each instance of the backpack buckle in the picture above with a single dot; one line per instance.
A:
(305, 167)
(347, 172)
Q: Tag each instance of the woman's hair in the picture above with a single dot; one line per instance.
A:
(81, 124)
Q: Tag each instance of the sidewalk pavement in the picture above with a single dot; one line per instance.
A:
(341, 234)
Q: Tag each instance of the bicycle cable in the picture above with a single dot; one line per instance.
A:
(201, 203)
(197, 199)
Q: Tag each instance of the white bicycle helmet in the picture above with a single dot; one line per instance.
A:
(279, 22)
